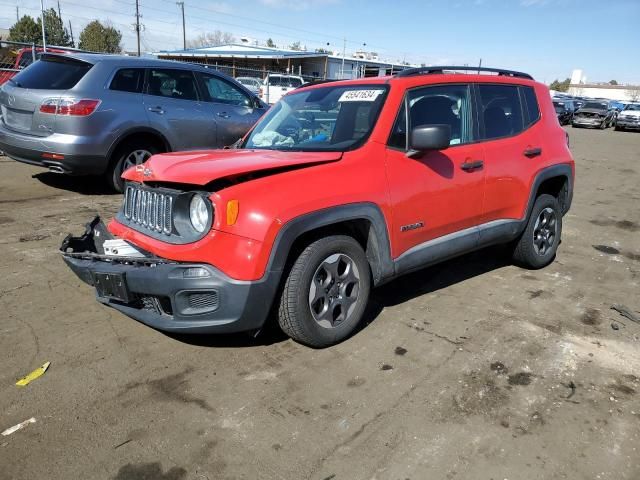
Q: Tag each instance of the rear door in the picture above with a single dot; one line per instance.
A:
(175, 107)
(513, 151)
(230, 107)
(28, 100)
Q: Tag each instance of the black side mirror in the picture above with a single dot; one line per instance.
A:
(428, 137)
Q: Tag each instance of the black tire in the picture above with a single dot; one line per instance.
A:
(528, 251)
(617, 128)
(298, 314)
(120, 159)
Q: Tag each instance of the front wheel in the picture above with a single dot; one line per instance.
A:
(536, 247)
(326, 292)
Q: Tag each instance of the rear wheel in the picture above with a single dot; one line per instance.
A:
(126, 156)
(326, 292)
(536, 248)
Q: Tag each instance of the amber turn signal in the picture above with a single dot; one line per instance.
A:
(233, 207)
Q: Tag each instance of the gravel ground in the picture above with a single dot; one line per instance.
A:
(473, 369)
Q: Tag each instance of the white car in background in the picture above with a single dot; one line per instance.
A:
(276, 85)
(253, 84)
(629, 118)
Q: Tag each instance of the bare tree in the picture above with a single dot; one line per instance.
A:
(211, 39)
(634, 94)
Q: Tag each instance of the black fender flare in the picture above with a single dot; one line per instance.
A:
(378, 244)
(559, 170)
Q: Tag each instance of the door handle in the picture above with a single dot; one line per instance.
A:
(223, 115)
(469, 166)
(156, 110)
(532, 152)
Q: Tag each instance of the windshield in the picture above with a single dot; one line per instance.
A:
(597, 106)
(321, 119)
(559, 107)
(632, 107)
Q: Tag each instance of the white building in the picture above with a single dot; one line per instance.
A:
(580, 88)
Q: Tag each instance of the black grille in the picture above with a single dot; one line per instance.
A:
(150, 209)
(207, 300)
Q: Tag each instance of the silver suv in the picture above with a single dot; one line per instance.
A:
(85, 114)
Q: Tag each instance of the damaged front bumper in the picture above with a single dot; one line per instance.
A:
(164, 294)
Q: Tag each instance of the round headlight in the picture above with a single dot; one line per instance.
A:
(199, 213)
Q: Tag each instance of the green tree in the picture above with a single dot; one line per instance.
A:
(562, 86)
(613, 82)
(270, 43)
(295, 46)
(25, 30)
(97, 37)
(55, 31)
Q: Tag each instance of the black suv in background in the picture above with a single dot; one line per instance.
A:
(564, 110)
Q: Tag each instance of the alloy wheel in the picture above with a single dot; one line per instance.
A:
(137, 157)
(334, 290)
(545, 231)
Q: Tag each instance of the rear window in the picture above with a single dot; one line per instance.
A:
(278, 81)
(52, 73)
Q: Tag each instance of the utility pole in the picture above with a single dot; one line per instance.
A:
(17, 13)
(44, 39)
(184, 33)
(59, 14)
(344, 53)
(138, 24)
(71, 33)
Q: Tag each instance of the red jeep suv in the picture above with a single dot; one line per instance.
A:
(340, 187)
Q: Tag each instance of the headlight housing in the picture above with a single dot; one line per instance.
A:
(199, 213)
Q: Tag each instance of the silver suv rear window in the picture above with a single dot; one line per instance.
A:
(52, 73)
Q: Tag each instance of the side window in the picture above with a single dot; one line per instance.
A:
(532, 110)
(170, 83)
(500, 110)
(128, 80)
(221, 91)
(444, 104)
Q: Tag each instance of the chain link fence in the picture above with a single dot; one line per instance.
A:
(14, 56)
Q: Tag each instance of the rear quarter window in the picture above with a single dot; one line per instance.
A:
(53, 73)
(128, 80)
(531, 108)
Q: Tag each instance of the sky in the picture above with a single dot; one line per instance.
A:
(547, 38)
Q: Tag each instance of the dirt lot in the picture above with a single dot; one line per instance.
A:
(474, 369)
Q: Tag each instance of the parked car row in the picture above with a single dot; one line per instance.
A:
(597, 113)
(273, 87)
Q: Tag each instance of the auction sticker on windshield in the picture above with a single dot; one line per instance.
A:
(360, 95)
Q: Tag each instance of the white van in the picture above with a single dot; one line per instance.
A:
(276, 85)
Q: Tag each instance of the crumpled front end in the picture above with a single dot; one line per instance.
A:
(165, 294)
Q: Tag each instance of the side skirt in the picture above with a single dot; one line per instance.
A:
(457, 243)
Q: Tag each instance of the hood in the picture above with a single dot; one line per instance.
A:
(629, 113)
(203, 167)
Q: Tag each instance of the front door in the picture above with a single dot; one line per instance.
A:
(231, 108)
(439, 192)
(175, 108)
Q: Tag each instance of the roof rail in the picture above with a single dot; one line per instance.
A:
(442, 69)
